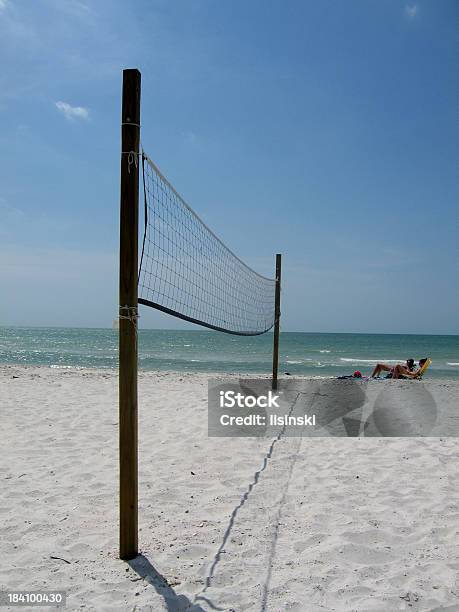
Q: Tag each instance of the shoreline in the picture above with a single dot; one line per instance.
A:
(200, 374)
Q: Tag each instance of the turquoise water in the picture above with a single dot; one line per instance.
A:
(207, 351)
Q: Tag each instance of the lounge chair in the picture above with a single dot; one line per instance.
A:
(424, 368)
(419, 375)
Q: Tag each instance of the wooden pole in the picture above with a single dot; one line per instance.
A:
(277, 320)
(129, 219)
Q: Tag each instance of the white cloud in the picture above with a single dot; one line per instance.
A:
(411, 10)
(190, 137)
(72, 112)
(3, 4)
(73, 7)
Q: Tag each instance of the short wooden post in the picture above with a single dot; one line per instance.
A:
(277, 320)
(129, 219)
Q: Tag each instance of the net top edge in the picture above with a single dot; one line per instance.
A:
(195, 214)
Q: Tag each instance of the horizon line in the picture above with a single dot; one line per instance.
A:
(363, 333)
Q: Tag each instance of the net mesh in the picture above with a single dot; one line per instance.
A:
(186, 271)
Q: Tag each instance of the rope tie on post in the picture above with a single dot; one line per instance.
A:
(132, 158)
(131, 315)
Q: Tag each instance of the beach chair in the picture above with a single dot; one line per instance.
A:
(423, 369)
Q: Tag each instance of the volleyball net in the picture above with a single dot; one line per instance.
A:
(187, 271)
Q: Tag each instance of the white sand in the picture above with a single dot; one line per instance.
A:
(331, 523)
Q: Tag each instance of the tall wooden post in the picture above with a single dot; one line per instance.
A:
(129, 220)
(277, 319)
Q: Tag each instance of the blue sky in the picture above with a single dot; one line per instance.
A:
(324, 130)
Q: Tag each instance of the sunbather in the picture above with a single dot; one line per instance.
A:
(402, 372)
(383, 367)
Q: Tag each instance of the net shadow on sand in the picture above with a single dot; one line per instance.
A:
(234, 513)
(173, 601)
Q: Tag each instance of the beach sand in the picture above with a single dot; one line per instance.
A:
(298, 524)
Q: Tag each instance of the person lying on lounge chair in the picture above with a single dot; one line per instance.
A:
(401, 372)
(383, 367)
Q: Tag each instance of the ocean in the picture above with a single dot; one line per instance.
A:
(310, 354)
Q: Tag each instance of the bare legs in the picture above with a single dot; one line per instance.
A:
(400, 370)
(380, 367)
